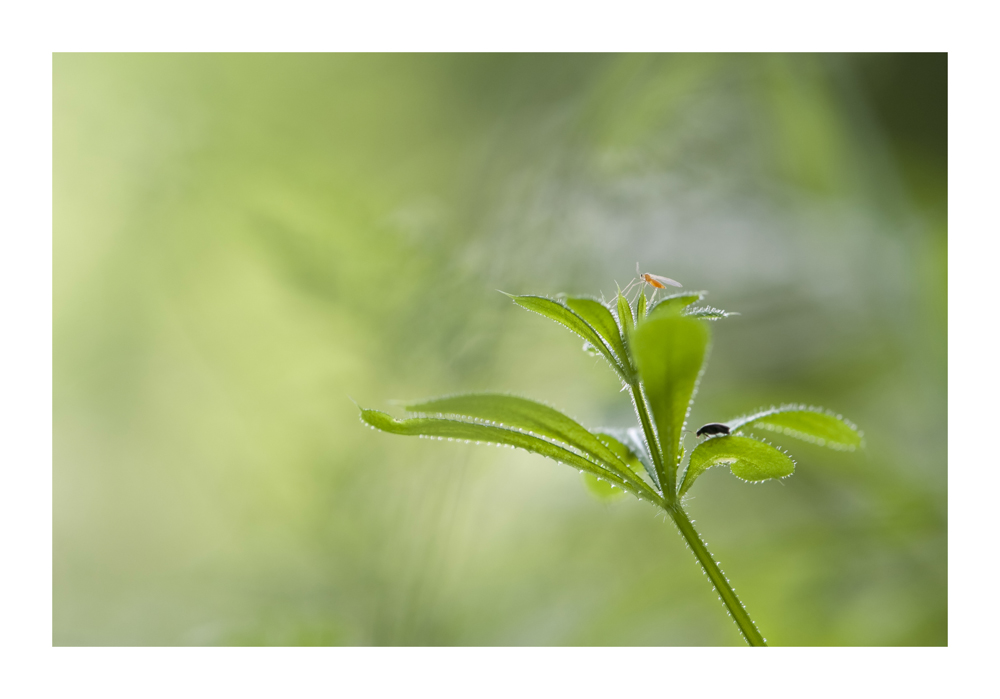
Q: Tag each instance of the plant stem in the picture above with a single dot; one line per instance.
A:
(726, 591)
(654, 448)
(668, 488)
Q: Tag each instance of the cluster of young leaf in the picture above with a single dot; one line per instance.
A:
(659, 354)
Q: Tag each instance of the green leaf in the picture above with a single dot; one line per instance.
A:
(626, 445)
(602, 490)
(631, 439)
(557, 311)
(625, 320)
(480, 433)
(674, 304)
(599, 317)
(708, 313)
(669, 352)
(814, 425)
(640, 306)
(748, 458)
(525, 415)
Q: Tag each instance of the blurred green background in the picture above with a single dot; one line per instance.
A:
(244, 243)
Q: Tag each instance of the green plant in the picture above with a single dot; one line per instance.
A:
(659, 355)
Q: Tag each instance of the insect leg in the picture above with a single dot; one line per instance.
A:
(627, 287)
(638, 291)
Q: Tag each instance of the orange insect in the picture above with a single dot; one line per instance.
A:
(654, 280)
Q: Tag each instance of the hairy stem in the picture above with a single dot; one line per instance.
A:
(725, 590)
(654, 447)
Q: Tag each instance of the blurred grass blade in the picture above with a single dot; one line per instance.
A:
(708, 313)
(554, 310)
(673, 305)
(640, 306)
(669, 352)
(480, 433)
(809, 424)
(599, 317)
(749, 459)
(625, 320)
(526, 415)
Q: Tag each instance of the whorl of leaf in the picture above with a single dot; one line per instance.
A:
(588, 318)
(625, 320)
(517, 422)
(526, 415)
(708, 313)
(670, 352)
(808, 423)
(631, 439)
(749, 459)
(675, 303)
(598, 316)
(626, 454)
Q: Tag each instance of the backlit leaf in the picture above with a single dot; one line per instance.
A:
(810, 424)
(640, 307)
(480, 433)
(525, 415)
(557, 311)
(669, 352)
(748, 459)
(623, 451)
(602, 490)
(625, 319)
(599, 317)
(708, 313)
(674, 304)
(629, 440)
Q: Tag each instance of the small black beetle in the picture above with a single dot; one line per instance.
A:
(713, 428)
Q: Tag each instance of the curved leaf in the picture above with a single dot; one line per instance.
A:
(458, 430)
(669, 353)
(599, 317)
(626, 451)
(554, 310)
(708, 313)
(674, 304)
(640, 306)
(814, 425)
(524, 415)
(748, 458)
(625, 320)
